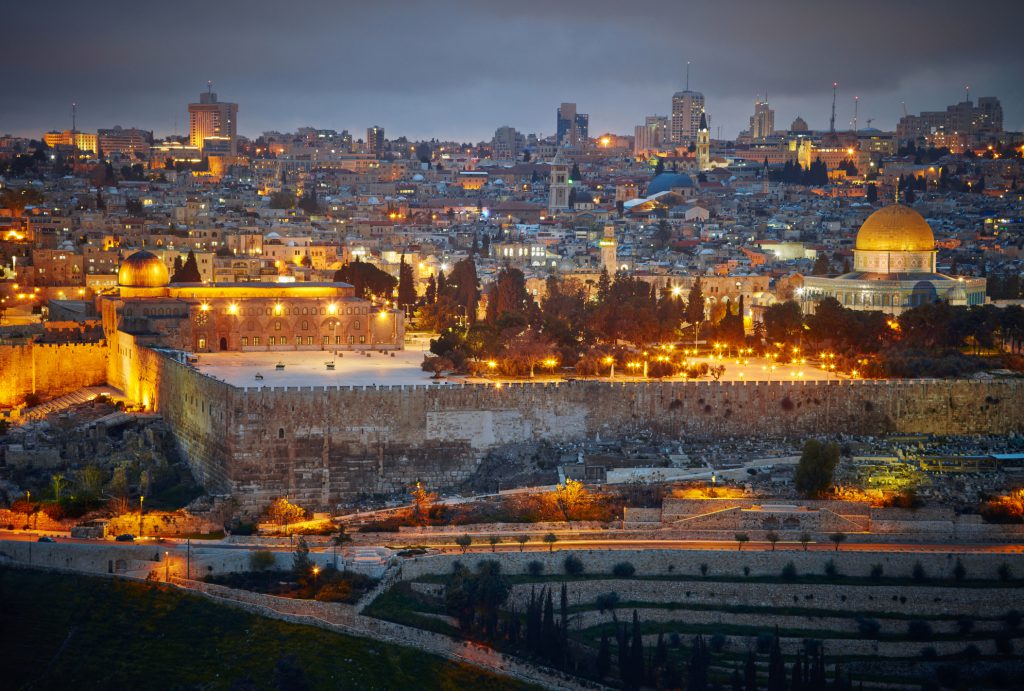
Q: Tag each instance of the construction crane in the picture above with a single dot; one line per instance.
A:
(869, 121)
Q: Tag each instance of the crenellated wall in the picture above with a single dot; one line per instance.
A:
(319, 445)
(49, 369)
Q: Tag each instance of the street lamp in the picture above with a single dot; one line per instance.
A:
(610, 361)
(141, 499)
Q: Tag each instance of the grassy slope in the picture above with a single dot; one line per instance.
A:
(59, 630)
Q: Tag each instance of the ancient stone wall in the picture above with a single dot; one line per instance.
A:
(321, 445)
(49, 369)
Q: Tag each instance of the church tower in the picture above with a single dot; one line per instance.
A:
(558, 185)
(609, 253)
(703, 144)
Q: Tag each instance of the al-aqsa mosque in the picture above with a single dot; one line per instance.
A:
(893, 269)
(257, 316)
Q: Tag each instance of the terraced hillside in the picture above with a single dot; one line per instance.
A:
(884, 620)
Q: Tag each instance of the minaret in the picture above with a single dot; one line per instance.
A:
(558, 185)
(609, 254)
(703, 144)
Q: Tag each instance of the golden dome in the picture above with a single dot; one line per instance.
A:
(142, 270)
(896, 228)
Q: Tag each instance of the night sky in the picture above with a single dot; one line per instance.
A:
(454, 69)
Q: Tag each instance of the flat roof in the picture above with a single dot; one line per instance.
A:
(308, 368)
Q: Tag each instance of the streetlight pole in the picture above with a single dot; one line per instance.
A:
(141, 499)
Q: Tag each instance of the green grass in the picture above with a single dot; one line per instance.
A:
(61, 631)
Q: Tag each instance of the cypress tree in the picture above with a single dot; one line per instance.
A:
(776, 668)
(604, 658)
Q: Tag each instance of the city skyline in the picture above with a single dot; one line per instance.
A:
(319, 72)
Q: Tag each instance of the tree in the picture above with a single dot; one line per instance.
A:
(90, 484)
(437, 364)
(783, 322)
(430, 295)
(741, 538)
(57, 484)
(525, 350)
(872, 193)
(262, 560)
(189, 271)
(821, 266)
(301, 563)
(551, 539)
(604, 658)
(493, 540)
(571, 497)
(366, 278)
(816, 468)
(422, 503)
(282, 512)
(522, 540)
(695, 307)
(772, 537)
(406, 286)
(837, 539)
(464, 541)
(575, 173)
(805, 539)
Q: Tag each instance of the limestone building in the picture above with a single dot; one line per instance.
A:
(893, 269)
(209, 317)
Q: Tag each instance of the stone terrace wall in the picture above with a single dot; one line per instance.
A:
(320, 445)
(49, 369)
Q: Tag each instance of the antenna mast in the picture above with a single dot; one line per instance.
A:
(856, 102)
(832, 122)
(687, 75)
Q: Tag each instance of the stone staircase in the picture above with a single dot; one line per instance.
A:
(55, 405)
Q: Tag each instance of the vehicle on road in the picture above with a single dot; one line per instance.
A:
(125, 537)
(46, 538)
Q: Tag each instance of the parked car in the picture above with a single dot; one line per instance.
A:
(126, 537)
(46, 538)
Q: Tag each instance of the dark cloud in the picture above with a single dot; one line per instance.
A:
(454, 68)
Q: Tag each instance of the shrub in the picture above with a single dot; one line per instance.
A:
(959, 571)
(535, 568)
(746, 570)
(918, 630)
(573, 565)
(606, 602)
(623, 570)
(831, 570)
(876, 572)
(918, 573)
(789, 571)
(1005, 573)
(704, 570)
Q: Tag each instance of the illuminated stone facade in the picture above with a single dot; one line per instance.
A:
(893, 269)
(199, 317)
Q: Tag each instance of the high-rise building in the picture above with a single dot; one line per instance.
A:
(507, 143)
(652, 135)
(973, 123)
(687, 107)
(212, 118)
(124, 141)
(83, 141)
(375, 140)
(571, 128)
(762, 123)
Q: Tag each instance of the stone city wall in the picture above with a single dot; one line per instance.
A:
(323, 445)
(49, 369)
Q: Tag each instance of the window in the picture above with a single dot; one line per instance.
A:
(351, 339)
(309, 340)
(362, 339)
(304, 312)
(272, 340)
(305, 325)
(355, 324)
(337, 340)
(245, 341)
(326, 340)
(280, 432)
(284, 340)
(277, 326)
(255, 340)
(202, 343)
